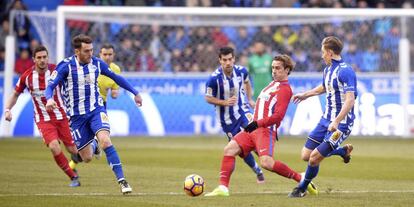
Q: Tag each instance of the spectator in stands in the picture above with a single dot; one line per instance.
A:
(4, 31)
(353, 56)
(126, 56)
(163, 60)
(200, 36)
(23, 62)
(285, 38)
(370, 59)
(34, 43)
(145, 61)
(300, 57)
(242, 40)
(176, 61)
(206, 57)
(389, 63)
(198, 3)
(219, 38)
(264, 35)
(173, 2)
(76, 26)
(2, 58)
(187, 59)
(21, 24)
(178, 39)
(391, 40)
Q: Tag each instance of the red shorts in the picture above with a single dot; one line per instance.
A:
(56, 130)
(260, 140)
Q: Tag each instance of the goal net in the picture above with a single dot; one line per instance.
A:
(169, 53)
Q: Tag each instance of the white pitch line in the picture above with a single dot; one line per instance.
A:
(175, 193)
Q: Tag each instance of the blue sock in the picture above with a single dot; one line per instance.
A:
(311, 173)
(341, 151)
(94, 145)
(114, 162)
(249, 160)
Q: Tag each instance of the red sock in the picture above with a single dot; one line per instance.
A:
(282, 169)
(227, 167)
(63, 163)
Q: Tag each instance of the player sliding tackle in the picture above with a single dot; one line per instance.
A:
(78, 75)
(261, 134)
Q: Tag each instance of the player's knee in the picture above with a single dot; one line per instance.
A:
(54, 147)
(106, 143)
(305, 157)
(266, 163)
(72, 150)
(231, 149)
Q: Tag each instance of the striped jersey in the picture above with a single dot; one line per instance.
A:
(272, 104)
(338, 78)
(80, 86)
(36, 84)
(222, 87)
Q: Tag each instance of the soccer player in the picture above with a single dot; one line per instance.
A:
(78, 74)
(105, 84)
(340, 85)
(53, 125)
(261, 133)
(229, 89)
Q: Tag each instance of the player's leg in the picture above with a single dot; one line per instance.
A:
(100, 124)
(344, 151)
(249, 158)
(82, 135)
(66, 137)
(238, 146)
(50, 133)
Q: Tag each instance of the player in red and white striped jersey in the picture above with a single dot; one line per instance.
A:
(261, 134)
(53, 125)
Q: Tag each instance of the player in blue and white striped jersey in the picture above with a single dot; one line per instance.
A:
(229, 89)
(78, 76)
(340, 85)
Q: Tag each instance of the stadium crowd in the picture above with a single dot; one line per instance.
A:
(371, 45)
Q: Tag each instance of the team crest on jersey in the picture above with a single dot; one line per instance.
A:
(53, 75)
(104, 118)
(249, 117)
(209, 91)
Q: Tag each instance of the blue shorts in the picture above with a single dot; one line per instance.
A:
(84, 127)
(321, 134)
(232, 129)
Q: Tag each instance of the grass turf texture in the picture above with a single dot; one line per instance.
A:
(381, 173)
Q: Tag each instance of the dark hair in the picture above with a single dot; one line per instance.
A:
(79, 39)
(286, 60)
(107, 46)
(333, 43)
(225, 51)
(39, 48)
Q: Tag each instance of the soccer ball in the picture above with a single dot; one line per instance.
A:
(194, 185)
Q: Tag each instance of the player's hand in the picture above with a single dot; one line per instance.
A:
(251, 127)
(50, 105)
(333, 126)
(8, 115)
(297, 98)
(231, 101)
(138, 100)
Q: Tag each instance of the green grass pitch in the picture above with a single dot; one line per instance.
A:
(381, 173)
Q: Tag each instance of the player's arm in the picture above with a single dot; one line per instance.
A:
(9, 105)
(348, 78)
(249, 92)
(121, 81)
(211, 93)
(56, 77)
(279, 111)
(320, 89)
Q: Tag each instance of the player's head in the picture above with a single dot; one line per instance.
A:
(40, 57)
(331, 48)
(226, 58)
(107, 53)
(282, 65)
(83, 48)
